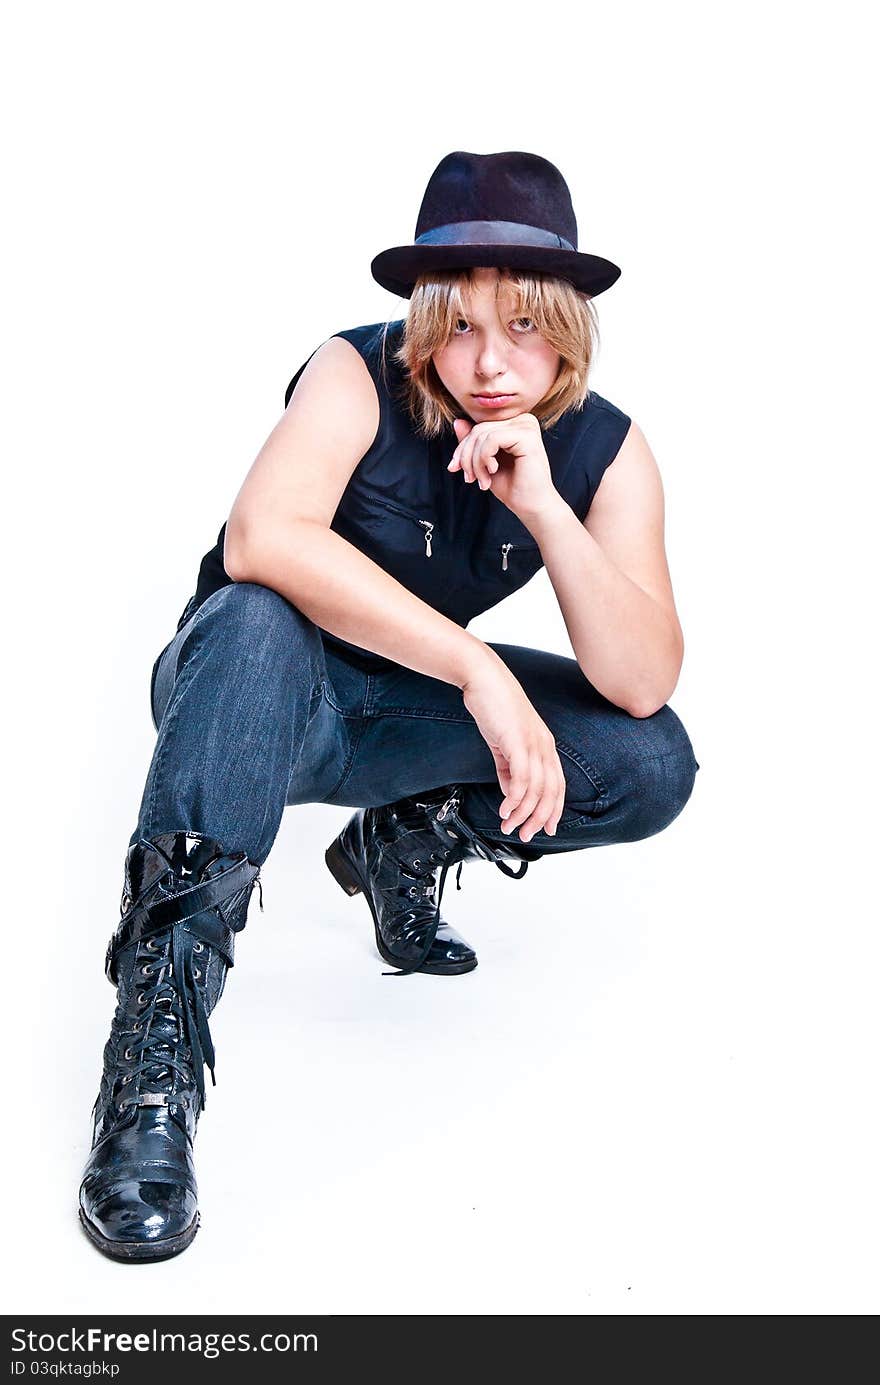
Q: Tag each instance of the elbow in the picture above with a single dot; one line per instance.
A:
(644, 709)
(256, 552)
(647, 704)
(234, 567)
(642, 704)
(233, 553)
(650, 700)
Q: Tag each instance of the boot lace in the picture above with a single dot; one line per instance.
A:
(170, 1042)
(424, 885)
(170, 1038)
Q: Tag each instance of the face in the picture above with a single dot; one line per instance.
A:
(494, 352)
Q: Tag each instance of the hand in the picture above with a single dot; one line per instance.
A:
(523, 748)
(507, 457)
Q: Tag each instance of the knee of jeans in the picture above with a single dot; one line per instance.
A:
(259, 624)
(666, 785)
(658, 778)
(654, 776)
(662, 733)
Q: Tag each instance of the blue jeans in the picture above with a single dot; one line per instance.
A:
(255, 710)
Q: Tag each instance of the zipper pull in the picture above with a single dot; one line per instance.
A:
(505, 549)
(428, 531)
(450, 804)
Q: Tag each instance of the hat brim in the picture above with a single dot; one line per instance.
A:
(398, 269)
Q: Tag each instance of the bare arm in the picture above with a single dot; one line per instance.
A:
(611, 579)
(345, 592)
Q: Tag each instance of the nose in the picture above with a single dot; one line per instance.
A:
(491, 359)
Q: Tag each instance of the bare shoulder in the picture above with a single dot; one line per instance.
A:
(632, 479)
(335, 375)
(305, 464)
(627, 517)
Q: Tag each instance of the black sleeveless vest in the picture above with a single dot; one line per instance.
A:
(458, 548)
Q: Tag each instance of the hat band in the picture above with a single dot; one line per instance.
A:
(492, 233)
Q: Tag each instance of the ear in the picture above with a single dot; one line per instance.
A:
(462, 427)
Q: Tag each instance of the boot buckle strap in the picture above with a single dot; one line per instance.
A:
(146, 920)
(168, 909)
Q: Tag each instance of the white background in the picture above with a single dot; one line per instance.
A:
(657, 1093)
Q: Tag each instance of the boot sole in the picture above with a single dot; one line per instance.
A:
(348, 878)
(132, 1252)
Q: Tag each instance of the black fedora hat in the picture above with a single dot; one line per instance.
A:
(506, 210)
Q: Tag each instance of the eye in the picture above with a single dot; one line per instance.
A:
(459, 322)
(529, 321)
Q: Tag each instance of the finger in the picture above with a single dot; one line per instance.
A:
(523, 813)
(555, 791)
(533, 792)
(460, 454)
(479, 468)
(502, 770)
(474, 442)
(540, 817)
(468, 463)
(455, 460)
(560, 802)
(518, 782)
(549, 810)
(483, 459)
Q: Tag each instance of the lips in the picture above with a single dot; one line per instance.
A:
(493, 400)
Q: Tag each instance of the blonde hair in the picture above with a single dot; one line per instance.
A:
(563, 315)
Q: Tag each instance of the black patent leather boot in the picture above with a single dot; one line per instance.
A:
(184, 900)
(393, 854)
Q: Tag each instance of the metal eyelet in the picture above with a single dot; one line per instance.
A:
(142, 999)
(198, 947)
(417, 864)
(197, 974)
(146, 970)
(128, 1054)
(127, 1078)
(150, 945)
(412, 891)
(137, 1027)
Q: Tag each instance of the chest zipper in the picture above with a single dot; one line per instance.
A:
(426, 524)
(508, 548)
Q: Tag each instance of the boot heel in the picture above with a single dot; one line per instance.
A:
(339, 867)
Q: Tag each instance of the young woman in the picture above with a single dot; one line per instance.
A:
(422, 471)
